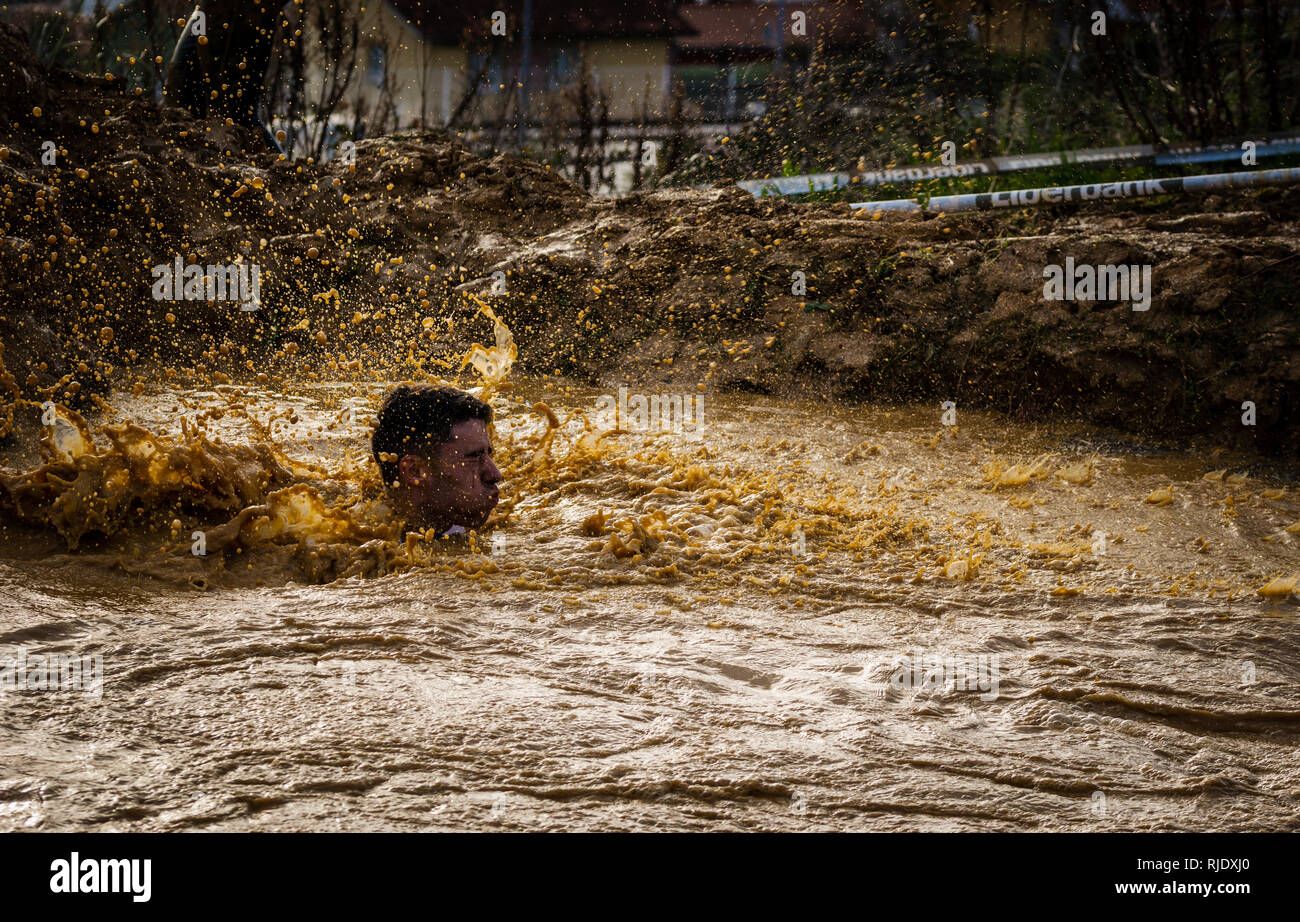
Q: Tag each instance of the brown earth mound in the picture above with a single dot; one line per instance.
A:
(363, 266)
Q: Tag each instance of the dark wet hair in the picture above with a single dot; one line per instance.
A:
(417, 418)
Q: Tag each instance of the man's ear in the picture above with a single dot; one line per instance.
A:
(412, 470)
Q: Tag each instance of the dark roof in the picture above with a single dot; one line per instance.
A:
(450, 21)
(752, 26)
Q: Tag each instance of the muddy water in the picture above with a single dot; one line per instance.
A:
(810, 618)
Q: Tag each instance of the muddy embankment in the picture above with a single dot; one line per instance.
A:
(362, 266)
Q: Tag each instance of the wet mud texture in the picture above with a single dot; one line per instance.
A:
(748, 632)
(362, 266)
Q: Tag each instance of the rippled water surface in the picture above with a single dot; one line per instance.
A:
(789, 624)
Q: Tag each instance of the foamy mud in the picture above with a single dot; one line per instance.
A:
(797, 616)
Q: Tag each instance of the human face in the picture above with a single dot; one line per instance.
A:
(458, 485)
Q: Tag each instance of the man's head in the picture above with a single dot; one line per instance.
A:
(435, 456)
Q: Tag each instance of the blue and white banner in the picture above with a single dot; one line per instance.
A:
(1273, 145)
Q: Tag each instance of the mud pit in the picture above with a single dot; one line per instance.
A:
(788, 623)
(865, 625)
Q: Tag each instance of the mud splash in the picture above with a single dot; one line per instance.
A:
(279, 486)
(193, 508)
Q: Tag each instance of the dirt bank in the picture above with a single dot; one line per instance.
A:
(361, 266)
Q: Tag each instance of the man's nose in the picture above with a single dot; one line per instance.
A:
(491, 475)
